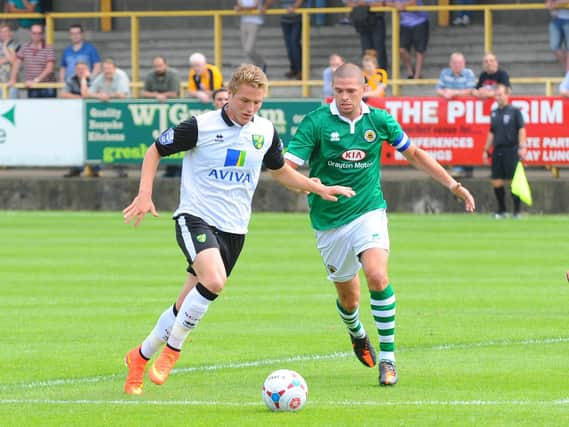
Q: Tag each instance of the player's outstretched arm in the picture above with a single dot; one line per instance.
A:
(422, 161)
(290, 178)
(142, 203)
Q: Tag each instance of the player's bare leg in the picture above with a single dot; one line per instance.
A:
(211, 276)
(348, 308)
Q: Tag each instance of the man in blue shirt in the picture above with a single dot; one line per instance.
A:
(456, 80)
(78, 51)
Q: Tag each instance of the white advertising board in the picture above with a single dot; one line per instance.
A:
(42, 132)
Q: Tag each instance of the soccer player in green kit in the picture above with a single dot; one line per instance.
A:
(342, 144)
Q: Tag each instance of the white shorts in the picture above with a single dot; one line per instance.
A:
(340, 247)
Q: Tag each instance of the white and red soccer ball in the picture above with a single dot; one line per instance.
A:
(285, 390)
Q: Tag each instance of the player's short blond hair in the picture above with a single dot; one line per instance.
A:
(248, 74)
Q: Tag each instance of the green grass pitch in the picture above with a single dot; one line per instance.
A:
(482, 325)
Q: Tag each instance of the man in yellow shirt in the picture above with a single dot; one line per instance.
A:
(203, 79)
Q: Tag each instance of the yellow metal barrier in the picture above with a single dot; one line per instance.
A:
(306, 84)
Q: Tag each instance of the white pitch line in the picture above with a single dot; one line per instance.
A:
(341, 403)
(298, 358)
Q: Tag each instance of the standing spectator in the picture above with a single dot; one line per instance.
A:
(24, 6)
(559, 31)
(318, 19)
(249, 30)
(456, 80)
(220, 97)
(112, 83)
(462, 17)
(508, 137)
(414, 33)
(8, 51)
(78, 51)
(334, 61)
(371, 28)
(76, 87)
(291, 24)
(564, 86)
(161, 83)
(203, 79)
(39, 63)
(490, 77)
(375, 78)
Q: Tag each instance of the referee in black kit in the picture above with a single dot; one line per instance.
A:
(508, 136)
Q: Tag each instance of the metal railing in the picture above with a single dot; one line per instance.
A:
(306, 83)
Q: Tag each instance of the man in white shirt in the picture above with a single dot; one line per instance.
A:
(221, 168)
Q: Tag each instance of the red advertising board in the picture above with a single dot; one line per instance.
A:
(455, 131)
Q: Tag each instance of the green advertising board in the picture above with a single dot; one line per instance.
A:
(121, 131)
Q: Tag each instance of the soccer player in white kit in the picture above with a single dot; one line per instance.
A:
(225, 150)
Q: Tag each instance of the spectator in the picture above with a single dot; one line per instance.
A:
(413, 33)
(462, 17)
(8, 51)
(559, 31)
(291, 25)
(220, 97)
(161, 83)
(564, 86)
(78, 84)
(24, 6)
(76, 87)
(112, 83)
(508, 137)
(375, 77)
(78, 50)
(456, 80)
(334, 61)
(491, 76)
(371, 28)
(249, 29)
(203, 79)
(39, 63)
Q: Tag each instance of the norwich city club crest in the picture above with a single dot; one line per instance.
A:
(370, 135)
(258, 141)
(201, 238)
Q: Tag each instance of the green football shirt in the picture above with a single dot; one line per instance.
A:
(342, 152)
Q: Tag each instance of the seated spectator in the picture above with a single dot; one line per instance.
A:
(162, 82)
(334, 61)
(414, 33)
(220, 97)
(375, 77)
(456, 80)
(564, 86)
(492, 76)
(78, 84)
(8, 49)
(76, 87)
(203, 79)
(39, 63)
(559, 31)
(78, 50)
(112, 83)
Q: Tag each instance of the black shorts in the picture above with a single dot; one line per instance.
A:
(504, 161)
(417, 37)
(194, 235)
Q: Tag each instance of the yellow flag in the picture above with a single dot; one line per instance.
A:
(520, 185)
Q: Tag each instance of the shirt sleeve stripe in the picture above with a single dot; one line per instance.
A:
(402, 143)
(294, 159)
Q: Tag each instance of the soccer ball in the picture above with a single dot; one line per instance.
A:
(285, 390)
